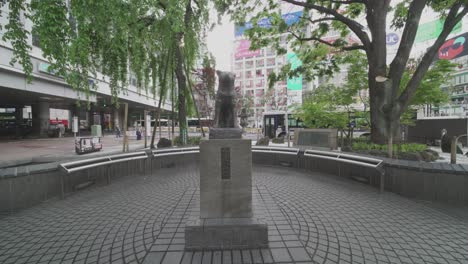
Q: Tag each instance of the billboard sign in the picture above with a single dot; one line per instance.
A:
(432, 30)
(294, 83)
(243, 50)
(454, 48)
(289, 18)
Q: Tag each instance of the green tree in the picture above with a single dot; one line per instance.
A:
(247, 110)
(321, 109)
(154, 39)
(387, 101)
(329, 102)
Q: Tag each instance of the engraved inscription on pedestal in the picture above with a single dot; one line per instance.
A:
(225, 163)
(221, 196)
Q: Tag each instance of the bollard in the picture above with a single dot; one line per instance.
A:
(453, 151)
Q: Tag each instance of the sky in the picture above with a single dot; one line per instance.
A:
(220, 42)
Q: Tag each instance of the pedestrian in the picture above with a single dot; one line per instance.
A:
(138, 134)
(117, 132)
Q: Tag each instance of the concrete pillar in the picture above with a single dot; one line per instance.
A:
(75, 111)
(19, 121)
(40, 118)
(117, 119)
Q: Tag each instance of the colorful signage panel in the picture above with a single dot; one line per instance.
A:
(289, 18)
(432, 30)
(294, 83)
(454, 48)
(243, 50)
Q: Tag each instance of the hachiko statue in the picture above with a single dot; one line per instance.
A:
(225, 113)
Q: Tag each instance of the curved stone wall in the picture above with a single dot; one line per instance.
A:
(23, 187)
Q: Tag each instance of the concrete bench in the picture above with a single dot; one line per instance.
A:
(75, 166)
(350, 159)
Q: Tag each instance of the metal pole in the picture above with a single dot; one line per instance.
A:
(287, 126)
(125, 141)
(145, 113)
(453, 151)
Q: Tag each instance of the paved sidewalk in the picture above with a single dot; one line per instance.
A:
(54, 149)
(312, 218)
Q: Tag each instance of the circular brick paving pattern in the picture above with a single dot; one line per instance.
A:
(312, 218)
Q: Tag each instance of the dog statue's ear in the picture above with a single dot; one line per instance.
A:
(218, 72)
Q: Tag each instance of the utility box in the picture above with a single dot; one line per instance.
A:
(96, 131)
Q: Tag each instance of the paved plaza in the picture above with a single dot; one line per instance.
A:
(312, 218)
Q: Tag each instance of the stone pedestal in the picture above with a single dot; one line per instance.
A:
(226, 233)
(226, 217)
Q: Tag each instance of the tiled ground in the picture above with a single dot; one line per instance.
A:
(312, 218)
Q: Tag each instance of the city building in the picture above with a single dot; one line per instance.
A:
(48, 91)
(252, 69)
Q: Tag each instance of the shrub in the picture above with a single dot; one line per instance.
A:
(177, 141)
(263, 141)
(194, 141)
(409, 151)
(279, 140)
(401, 148)
(164, 143)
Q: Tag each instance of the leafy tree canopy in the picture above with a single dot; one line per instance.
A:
(82, 38)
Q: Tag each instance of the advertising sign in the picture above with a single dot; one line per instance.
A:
(392, 39)
(289, 18)
(294, 83)
(454, 48)
(243, 50)
(432, 30)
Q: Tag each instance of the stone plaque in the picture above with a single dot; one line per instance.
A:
(322, 138)
(226, 163)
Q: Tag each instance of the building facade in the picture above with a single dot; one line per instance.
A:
(252, 68)
(49, 91)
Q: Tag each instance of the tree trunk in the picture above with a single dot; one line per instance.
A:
(172, 106)
(156, 122)
(197, 112)
(182, 84)
(383, 120)
(383, 123)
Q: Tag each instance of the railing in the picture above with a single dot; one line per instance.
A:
(74, 166)
(277, 150)
(351, 159)
(175, 151)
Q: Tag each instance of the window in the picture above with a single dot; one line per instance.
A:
(271, 62)
(260, 63)
(249, 64)
(248, 74)
(238, 65)
(259, 73)
(269, 71)
(259, 83)
(35, 40)
(270, 52)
